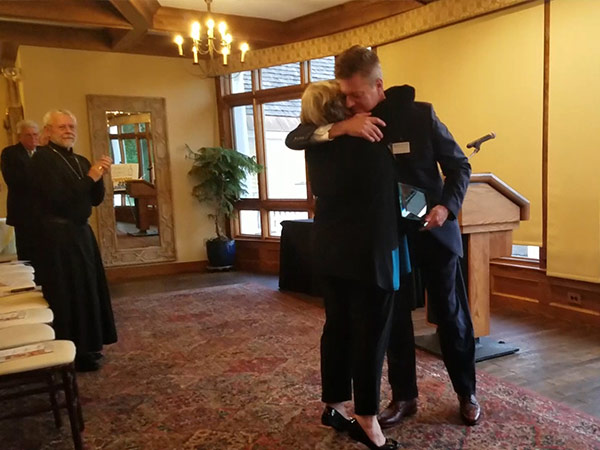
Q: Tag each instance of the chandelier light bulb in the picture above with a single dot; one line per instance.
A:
(225, 52)
(222, 28)
(195, 34)
(207, 44)
(179, 41)
(244, 48)
(211, 26)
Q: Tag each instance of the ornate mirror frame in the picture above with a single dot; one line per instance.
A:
(112, 255)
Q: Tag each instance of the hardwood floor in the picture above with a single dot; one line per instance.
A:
(558, 360)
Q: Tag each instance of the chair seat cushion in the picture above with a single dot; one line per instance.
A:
(61, 352)
(25, 334)
(8, 304)
(26, 316)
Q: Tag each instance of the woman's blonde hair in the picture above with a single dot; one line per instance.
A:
(323, 103)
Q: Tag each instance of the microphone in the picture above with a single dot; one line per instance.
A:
(477, 142)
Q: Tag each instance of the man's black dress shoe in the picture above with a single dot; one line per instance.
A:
(358, 434)
(86, 362)
(97, 356)
(396, 411)
(332, 418)
(470, 411)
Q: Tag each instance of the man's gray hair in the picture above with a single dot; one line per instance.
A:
(48, 116)
(22, 124)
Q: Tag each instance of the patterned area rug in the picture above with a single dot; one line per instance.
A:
(237, 367)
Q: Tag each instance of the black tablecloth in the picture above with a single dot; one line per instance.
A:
(296, 268)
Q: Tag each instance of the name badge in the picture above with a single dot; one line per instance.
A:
(400, 148)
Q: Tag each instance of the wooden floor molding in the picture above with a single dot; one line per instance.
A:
(528, 288)
(125, 273)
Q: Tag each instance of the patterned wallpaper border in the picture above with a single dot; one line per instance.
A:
(419, 20)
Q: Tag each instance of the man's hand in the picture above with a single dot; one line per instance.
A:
(99, 168)
(361, 125)
(436, 217)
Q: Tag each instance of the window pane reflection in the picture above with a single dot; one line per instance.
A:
(245, 142)
(286, 173)
(276, 217)
(322, 69)
(250, 222)
(241, 82)
(278, 76)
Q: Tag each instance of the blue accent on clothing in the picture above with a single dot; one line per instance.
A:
(396, 268)
(400, 262)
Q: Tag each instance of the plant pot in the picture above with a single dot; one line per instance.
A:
(221, 253)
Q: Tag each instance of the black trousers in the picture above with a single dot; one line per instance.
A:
(25, 239)
(448, 302)
(354, 341)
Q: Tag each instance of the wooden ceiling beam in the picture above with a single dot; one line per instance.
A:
(8, 54)
(59, 37)
(344, 17)
(81, 13)
(140, 14)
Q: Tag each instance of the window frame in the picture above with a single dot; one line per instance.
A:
(257, 97)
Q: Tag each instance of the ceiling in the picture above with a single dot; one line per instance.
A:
(265, 9)
(148, 26)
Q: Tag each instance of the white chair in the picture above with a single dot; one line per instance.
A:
(21, 301)
(25, 317)
(43, 366)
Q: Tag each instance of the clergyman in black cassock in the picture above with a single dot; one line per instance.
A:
(71, 271)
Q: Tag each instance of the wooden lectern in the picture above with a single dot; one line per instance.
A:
(144, 194)
(491, 211)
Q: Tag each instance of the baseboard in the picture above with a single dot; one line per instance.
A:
(530, 289)
(125, 273)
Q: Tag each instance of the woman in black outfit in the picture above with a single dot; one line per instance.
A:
(360, 256)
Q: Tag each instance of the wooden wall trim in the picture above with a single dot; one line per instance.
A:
(545, 112)
(529, 289)
(126, 273)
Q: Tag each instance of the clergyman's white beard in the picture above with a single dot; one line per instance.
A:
(67, 143)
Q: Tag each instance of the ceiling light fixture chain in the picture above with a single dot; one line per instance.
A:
(208, 44)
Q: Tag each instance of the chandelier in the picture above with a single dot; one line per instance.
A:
(209, 44)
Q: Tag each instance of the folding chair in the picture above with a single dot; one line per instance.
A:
(32, 363)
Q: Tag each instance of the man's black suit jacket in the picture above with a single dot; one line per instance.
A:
(430, 143)
(16, 170)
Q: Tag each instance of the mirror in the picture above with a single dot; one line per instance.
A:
(413, 202)
(137, 226)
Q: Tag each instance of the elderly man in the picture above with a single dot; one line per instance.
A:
(16, 170)
(67, 186)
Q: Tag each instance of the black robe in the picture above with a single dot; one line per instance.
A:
(71, 271)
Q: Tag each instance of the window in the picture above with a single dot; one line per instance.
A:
(259, 120)
(130, 143)
(526, 251)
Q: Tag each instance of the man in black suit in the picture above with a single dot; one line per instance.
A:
(16, 170)
(419, 141)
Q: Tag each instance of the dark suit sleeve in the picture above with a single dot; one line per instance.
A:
(299, 138)
(16, 173)
(455, 166)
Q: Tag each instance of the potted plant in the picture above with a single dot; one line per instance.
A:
(220, 175)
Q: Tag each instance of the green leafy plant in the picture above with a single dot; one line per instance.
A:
(220, 174)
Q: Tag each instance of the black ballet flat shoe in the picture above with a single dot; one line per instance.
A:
(358, 434)
(332, 418)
